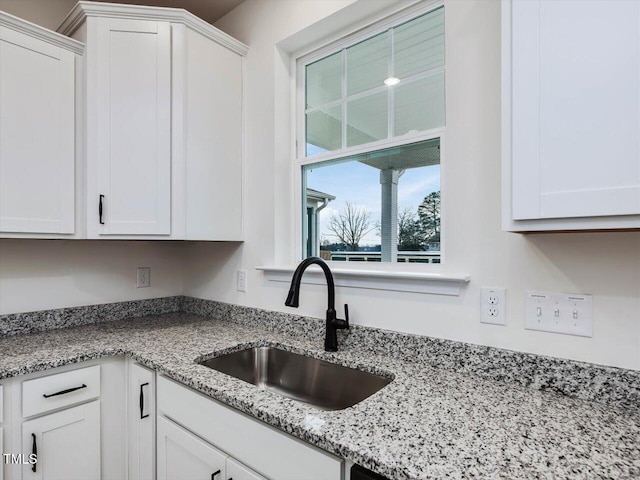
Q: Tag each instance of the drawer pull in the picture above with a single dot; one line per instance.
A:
(213, 475)
(62, 392)
(142, 401)
(34, 451)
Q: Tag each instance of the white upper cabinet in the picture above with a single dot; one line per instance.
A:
(211, 138)
(163, 123)
(37, 130)
(129, 127)
(571, 115)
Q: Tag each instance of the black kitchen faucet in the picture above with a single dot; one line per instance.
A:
(333, 323)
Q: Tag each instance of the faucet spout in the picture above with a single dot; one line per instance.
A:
(332, 322)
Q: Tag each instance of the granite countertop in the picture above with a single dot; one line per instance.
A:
(429, 423)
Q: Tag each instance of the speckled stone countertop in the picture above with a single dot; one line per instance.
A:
(429, 423)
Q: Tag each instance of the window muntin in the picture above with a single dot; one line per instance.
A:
(347, 103)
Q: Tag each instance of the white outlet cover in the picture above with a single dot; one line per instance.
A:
(143, 277)
(493, 305)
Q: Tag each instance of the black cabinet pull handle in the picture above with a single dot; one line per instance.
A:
(34, 451)
(213, 475)
(100, 209)
(142, 401)
(62, 392)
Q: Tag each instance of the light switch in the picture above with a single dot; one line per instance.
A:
(570, 314)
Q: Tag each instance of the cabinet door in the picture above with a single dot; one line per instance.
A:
(237, 471)
(575, 108)
(132, 139)
(2, 463)
(67, 444)
(37, 156)
(141, 428)
(212, 140)
(183, 456)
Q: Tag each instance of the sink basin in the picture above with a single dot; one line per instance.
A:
(324, 385)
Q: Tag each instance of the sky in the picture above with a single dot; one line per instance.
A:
(359, 184)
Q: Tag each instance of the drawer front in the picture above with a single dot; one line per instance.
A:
(44, 394)
(269, 451)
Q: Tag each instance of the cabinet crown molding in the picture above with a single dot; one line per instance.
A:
(82, 10)
(33, 30)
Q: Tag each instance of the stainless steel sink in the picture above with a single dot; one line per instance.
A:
(322, 384)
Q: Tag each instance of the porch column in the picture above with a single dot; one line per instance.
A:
(389, 220)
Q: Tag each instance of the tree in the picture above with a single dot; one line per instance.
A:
(351, 225)
(429, 216)
(410, 234)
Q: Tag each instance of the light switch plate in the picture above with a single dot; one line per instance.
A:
(242, 281)
(566, 313)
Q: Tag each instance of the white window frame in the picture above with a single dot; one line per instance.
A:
(433, 279)
(300, 160)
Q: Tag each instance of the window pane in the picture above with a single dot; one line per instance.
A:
(324, 81)
(419, 105)
(380, 206)
(367, 119)
(368, 64)
(419, 44)
(324, 130)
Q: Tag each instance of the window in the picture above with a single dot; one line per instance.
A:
(371, 122)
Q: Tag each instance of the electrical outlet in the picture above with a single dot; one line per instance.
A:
(143, 277)
(242, 281)
(493, 305)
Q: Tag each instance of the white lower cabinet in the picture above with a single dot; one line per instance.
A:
(262, 448)
(67, 444)
(141, 430)
(183, 456)
(1, 452)
(72, 418)
(237, 471)
(113, 419)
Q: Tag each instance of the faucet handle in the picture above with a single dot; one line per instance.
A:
(346, 314)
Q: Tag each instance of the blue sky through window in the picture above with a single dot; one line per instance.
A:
(359, 184)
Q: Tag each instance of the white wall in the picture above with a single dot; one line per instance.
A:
(37, 274)
(44, 274)
(46, 13)
(606, 265)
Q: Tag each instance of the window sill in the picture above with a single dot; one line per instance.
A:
(415, 282)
